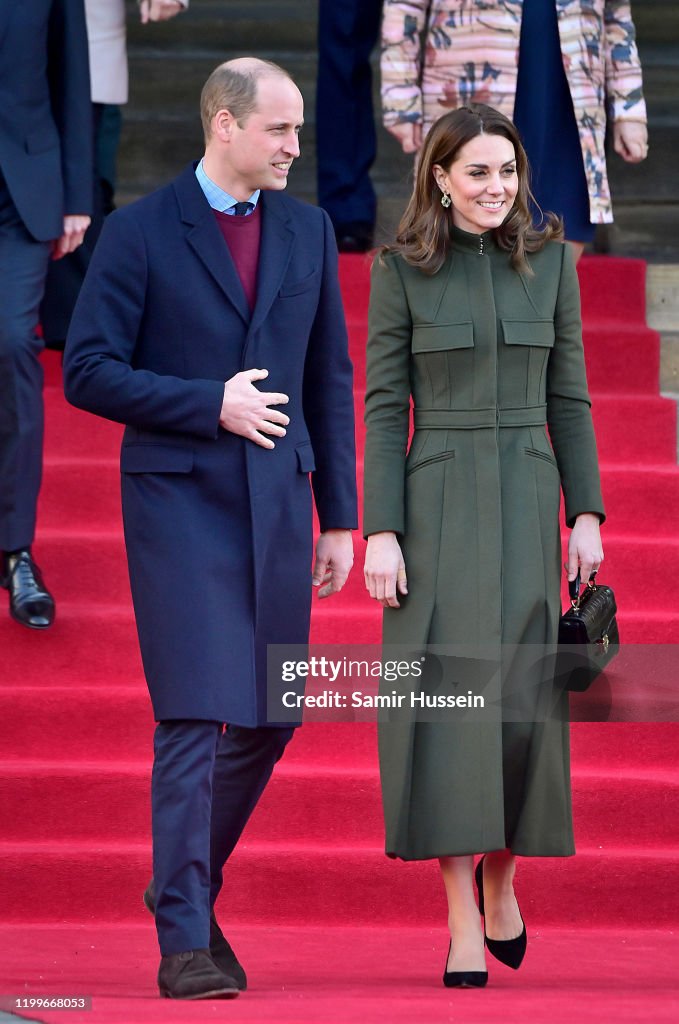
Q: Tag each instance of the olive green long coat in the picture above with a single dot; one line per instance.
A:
(490, 357)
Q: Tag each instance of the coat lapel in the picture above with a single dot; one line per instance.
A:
(205, 238)
(274, 255)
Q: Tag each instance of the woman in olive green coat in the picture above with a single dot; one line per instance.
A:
(476, 317)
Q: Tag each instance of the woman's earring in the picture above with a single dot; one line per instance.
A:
(445, 200)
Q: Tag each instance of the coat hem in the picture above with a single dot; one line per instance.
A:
(522, 852)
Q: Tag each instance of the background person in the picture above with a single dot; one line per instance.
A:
(475, 315)
(558, 69)
(45, 207)
(346, 139)
(107, 43)
(221, 271)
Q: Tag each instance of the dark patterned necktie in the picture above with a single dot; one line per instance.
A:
(240, 209)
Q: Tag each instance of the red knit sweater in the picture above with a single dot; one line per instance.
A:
(242, 235)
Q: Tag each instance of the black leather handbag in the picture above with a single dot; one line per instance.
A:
(588, 635)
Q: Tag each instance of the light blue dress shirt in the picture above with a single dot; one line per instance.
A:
(219, 199)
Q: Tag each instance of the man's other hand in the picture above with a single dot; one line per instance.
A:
(334, 559)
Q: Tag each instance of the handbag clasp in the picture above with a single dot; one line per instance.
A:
(603, 643)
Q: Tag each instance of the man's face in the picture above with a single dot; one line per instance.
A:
(260, 153)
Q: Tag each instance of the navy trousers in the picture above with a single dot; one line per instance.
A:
(345, 126)
(23, 269)
(206, 781)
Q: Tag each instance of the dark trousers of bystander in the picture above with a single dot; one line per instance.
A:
(23, 269)
(345, 127)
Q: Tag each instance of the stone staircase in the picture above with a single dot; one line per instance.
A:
(646, 196)
(170, 61)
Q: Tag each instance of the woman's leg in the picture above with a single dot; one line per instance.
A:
(502, 915)
(464, 922)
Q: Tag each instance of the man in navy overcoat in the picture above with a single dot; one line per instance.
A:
(173, 336)
(45, 202)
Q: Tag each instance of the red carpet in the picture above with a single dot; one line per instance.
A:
(75, 761)
(357, 976)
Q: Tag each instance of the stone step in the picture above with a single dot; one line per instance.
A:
(656, 21)
(258, 26)
(646, 230)
(178, 76)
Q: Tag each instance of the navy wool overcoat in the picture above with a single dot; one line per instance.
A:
(218, 529)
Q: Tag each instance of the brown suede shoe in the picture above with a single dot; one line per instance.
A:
(220, 949)
(194, 975)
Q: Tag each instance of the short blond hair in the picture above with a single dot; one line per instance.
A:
(233, 86)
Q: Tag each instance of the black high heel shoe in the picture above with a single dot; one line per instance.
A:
(463, 979)
(508, 951)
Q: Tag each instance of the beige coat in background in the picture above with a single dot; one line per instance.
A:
(107, 38)
(108, 50)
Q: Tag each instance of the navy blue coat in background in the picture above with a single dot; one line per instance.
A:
(45, 112)
(218, 529)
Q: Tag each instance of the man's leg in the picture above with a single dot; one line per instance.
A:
(243, 766)
(181, 796)
(345, 129)
(23, 268)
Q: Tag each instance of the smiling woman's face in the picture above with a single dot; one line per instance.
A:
(482, 183)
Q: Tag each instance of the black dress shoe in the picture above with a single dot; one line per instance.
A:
(194, 975)
(508, 951)
(30, 602)
(354, 237)
(220, 950)
(463, 979)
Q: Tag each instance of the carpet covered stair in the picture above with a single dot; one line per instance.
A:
(75, 759)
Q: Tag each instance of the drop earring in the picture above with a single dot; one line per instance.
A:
(446, 201)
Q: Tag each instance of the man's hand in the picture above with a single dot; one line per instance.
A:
(384, 570)
(334, 559)
(584, 547)
(75, 226)
(630, 140)
(408, 134)
(159, 10)
(245, 410)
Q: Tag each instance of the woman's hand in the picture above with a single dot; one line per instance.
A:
(630, 140)
(584, 547)
(384, 570)
(408, 134)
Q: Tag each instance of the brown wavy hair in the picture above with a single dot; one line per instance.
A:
(424, 234)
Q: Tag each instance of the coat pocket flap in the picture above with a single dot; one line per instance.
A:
(305, 457)
(155, 458)
(289, 288)
(440, 337)
(529, 332)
